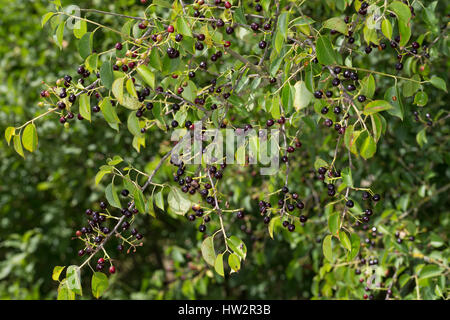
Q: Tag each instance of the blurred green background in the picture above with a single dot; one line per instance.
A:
(43, 198)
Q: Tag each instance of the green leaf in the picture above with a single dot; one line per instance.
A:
(162, 3)
(411, 87)
(131, 88)
(115, 161)
(85, 45)
(60, 34)
(139, 200)
(9, 133)
(208, 251)
(327, 248)
(287, 98)
(343, 238)
(99, 176)
(159, 201)
(238, 246)
(234, 262)
(356, 243)
(334, 222)
(218, 264)
(147, 75)
(272, 225)
(337, 24)
(282, 24)
(190, 91)
(183, 28)
(392, 95)
(99, 284)
(275, 107)
(178, 201)
(377, 126)
(302, 96)
(376, 106)
(302, 21)
(421, 137)
(154, 59)
(109, 112)
(46, 17)
(112, 196)
(239, 16)
(325, 52)
(80, 29)
(57, 272)
(85, 106)
(106, 74)
(30, 137)
(369, 147)
(386, 29)
(350, 138)
(401, 10)
(64, 293)
(74, 280)
(347, 177)
(405, 33)
(430, 271)
(438, 83)
(117, 89)
(18, 146)
(421, 98)
(368, 86)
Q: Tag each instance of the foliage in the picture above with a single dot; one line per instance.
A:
(380, 130)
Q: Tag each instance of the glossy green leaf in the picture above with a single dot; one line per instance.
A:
(234, 262)
(30, 137)
(238, 246)
(107, 75)
(334, 223)
(57, 272)
(60, 34)
(218, 264)
(302, 96)
(18, 146)
(117, 89)
(325, 52)
(376, 106)
(178, 201)
(208, 252)
(80, 29)
(327, 248)
(112, 197)
(337, 24)
(9, 133)
(386, 28)
(147, 75)
(369, 147)
(85, 106)
(345, 241)
(139, 200)
(401, 10)
(74, 280)
(85, 45)
(438, 83)
(182, 27)
(99, 284)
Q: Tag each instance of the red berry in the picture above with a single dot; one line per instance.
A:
(227, 4)
(78, 233)
(112, 269)
(101, 261)
(170, 29)
(227, 44)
